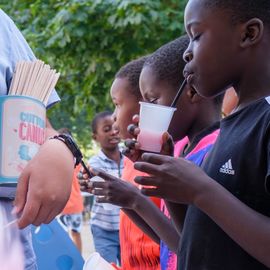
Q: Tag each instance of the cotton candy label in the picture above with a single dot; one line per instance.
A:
(22, 131)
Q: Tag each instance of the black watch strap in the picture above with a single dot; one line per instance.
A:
(74, 149)
(71, 145)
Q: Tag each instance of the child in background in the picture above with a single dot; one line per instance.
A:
(159, 80)
(227, 222)
(44, 185)
(105, 223)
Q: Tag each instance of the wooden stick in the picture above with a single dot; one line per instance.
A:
(47, 85)
(16, 78)
(34, 79)
(52, 86)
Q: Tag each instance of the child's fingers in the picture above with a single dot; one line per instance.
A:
(146, 180)
(133, 130)
(150, 192)
(131, 154)
(99, 192)
(85, 185)
(167, 144)
(85, 172)
(155, 158)
(99, 184)
(104, 175)
(82, 175)
(126, 151)
(135, 118)
(132, 144)
(21, 192)
(147, 167)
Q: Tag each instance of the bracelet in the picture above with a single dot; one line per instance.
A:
(71, 145)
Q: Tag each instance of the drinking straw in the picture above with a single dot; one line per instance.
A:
(179, 92)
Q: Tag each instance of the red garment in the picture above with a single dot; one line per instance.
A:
(75, 202)
(138, 251)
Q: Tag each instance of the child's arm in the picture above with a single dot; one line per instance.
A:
(141, 210)
(177, 213)
(181, 181)
(44, 185)
(141, 224)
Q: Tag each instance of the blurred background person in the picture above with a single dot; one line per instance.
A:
(104, 222)
(72, 213)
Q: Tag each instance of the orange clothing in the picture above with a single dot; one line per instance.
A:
(75, 202)
(138, 251)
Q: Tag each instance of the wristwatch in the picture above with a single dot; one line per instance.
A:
(71, 145)
(74, 149)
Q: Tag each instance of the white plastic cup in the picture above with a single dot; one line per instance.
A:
(154, 121)
(106, 206)
(96, 262)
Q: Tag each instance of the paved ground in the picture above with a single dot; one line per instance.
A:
(87, 241)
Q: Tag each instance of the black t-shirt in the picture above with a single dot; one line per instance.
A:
(239, 161)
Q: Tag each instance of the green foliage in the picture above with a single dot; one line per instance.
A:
(88, 41)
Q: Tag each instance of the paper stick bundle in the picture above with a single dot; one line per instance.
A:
(34, 79)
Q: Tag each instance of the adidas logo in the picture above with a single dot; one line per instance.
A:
(227, 168)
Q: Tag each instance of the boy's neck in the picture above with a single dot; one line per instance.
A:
(255, 80)
(252, 94)
(113, 154)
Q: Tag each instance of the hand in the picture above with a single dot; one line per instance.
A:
(174, 179)
(115, 191)
(45, 184)
(132, 150)
(84, 180)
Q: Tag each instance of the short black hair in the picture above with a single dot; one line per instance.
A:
(243, 10)
(132, 71)
(97, 118)
(167, 61)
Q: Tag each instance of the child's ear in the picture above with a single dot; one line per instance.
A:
(94, 136)
(252, 32)
(193, 96)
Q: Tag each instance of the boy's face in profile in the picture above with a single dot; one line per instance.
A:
(213, 54)
(106, 135)
(126, 105)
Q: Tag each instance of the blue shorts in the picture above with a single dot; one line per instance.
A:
(73, 222)
(106, 244)
(25, 236)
